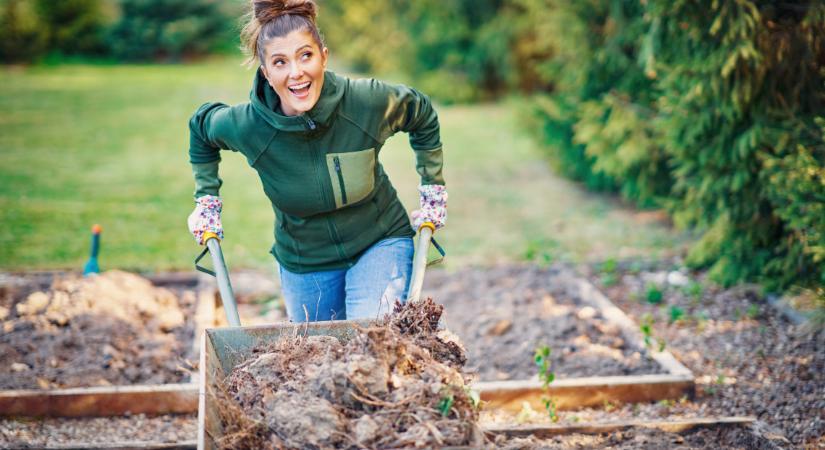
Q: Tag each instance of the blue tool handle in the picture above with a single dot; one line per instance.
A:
(92, 266)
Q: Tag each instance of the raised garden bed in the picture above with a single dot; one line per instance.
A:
(111, 344)
(503, 314)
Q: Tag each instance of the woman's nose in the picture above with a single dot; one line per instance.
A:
(295, 71)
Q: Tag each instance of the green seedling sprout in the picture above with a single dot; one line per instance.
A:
(546, 376)
(653, 294)
(675, 313)
(446, 404)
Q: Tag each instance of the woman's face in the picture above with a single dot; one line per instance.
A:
(294, 66)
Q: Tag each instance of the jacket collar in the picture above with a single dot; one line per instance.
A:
(267, 103)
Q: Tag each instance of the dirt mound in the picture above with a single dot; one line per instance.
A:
(397, 383)
(114, 328)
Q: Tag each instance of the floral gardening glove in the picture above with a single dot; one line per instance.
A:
(206, 217)
(433, 199)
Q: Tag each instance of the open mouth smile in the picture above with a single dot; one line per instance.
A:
(300, 90)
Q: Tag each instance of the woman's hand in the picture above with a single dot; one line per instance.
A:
(206, 217)
(433, 200)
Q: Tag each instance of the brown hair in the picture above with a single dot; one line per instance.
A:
(269, 19)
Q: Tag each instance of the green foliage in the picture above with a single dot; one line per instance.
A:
(133, 30)
(653, 294)
(172, 29)
(74, 27)
(23, 36)
(675, 313)
(742, 87)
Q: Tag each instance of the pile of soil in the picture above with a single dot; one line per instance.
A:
(503, 314)
(397, 383)
(113, 328)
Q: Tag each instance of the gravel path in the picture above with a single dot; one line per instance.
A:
(139, 428)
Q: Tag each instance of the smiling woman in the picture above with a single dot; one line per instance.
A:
(342, 237)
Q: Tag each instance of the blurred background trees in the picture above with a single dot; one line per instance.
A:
(710, 109)
(122, 30)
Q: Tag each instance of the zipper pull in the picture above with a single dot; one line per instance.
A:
(310, 122)
(337, 164)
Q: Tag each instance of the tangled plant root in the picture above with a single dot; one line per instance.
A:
(396, 384)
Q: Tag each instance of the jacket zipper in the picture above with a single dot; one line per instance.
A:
(310, 122)
(340, 179)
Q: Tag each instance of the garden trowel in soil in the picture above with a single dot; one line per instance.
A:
(91, 267)
(213, 247)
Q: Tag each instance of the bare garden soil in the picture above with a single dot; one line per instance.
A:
(747, 358)
(504, 314)
(64, 330)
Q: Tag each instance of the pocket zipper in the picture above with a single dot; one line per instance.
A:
(340, 180)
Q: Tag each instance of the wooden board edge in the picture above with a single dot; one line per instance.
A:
(104, 401)
(630, 330)
(672, 426)
(577, 393)
(136, 445)
(204, 318)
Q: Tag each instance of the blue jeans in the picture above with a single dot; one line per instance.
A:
(364, 291)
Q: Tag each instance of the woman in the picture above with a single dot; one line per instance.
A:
(342, 237)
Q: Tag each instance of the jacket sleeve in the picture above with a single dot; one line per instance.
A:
(411, 111)
(211, 129)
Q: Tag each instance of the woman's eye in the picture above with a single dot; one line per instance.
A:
(306, 55)
(278, 62)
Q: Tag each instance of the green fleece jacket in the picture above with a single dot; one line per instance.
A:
(331, 196)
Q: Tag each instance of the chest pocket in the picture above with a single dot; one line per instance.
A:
(352, 175)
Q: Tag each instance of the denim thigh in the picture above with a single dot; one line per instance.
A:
(314, 296)
(380, 276)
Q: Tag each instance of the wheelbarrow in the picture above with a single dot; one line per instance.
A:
(224, 348)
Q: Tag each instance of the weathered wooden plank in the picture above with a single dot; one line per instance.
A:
(672, 426)
(137, 445)
(204, 318)
(590, 294)
(575, 393)
(100, 401)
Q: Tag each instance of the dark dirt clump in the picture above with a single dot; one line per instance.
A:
(503, 314)
(112, 329)
(397, 383)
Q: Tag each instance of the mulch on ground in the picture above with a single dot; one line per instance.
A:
(396, 384)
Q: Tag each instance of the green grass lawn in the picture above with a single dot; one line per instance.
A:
(108, 144)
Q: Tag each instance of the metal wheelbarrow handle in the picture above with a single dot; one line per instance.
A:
(425, 238)
(230, 307)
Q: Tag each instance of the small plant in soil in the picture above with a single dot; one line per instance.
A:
(646, 328)
(446, 404)
(546, 376)
(540, 251)
(753, 312)
(609, 276)
(694, 291)
(675, 314)
(653, 294)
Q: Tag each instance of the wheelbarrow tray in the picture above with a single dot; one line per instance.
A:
(224, 348)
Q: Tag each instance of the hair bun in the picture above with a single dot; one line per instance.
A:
(267, 10)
